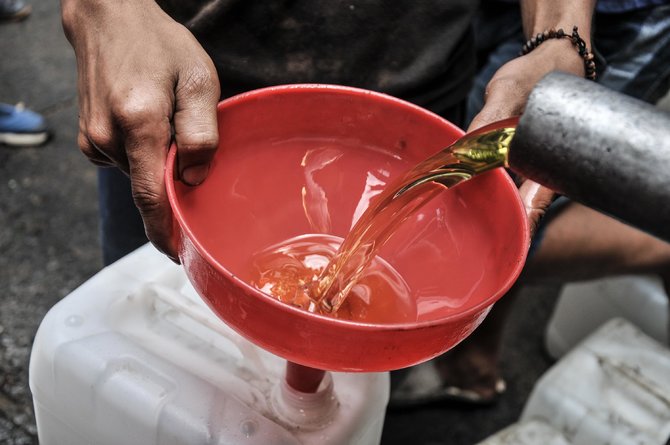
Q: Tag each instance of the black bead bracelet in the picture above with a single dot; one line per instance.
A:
(577, 41)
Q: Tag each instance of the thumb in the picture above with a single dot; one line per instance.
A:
(195, 123)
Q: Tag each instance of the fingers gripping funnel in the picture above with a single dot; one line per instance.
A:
(306, 159)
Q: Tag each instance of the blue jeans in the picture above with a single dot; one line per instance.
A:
(121, 225)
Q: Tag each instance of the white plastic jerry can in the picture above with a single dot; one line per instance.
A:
(531, 432)
(584, 306)
(134, 356)
(612, 389)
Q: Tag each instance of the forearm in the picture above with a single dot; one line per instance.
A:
(540, 15)
(81, 17)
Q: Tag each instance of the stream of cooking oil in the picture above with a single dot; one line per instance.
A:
(341, 281)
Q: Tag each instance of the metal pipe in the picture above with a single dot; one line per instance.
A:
(606, 150)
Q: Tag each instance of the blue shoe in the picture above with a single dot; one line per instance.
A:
(14, 10)
(20, 127)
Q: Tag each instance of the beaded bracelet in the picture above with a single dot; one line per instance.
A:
(577, 41)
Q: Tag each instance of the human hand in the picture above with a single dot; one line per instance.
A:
(506, 96)
(141, 78)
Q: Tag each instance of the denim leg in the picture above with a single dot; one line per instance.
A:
(636, 49)
(122, 230)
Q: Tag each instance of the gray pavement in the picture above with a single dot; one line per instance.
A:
(49, 245)
(48, 214)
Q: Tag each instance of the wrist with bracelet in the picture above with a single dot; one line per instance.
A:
(577, 42)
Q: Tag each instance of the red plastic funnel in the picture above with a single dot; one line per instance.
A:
(303, 159)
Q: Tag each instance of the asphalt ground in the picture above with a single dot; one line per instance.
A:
(49, 245)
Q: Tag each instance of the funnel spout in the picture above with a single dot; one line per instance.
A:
(303, 378)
